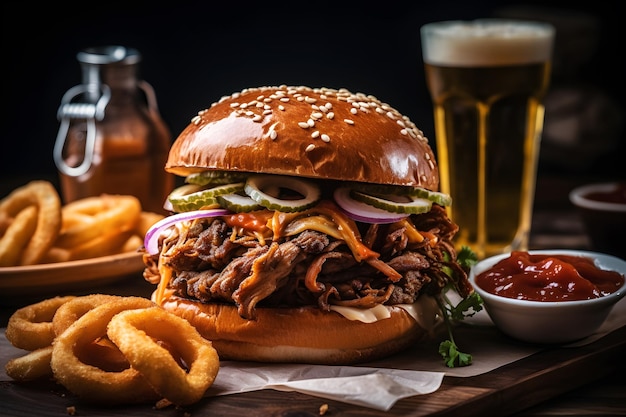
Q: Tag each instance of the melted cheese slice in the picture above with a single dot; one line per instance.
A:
(424, 311)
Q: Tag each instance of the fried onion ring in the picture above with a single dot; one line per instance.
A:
(74, 309)
(86, 219)
(45, 198)
(33, 365)
(31, 327)
(17, 236)
(91, 383)
(103, 245)
(141, 334)
(56, 255)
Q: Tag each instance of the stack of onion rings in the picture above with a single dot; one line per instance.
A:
(35, 228)
(112, 350)
(97, 226)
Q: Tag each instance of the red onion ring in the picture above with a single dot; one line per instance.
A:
(363, 212)
(151, 240)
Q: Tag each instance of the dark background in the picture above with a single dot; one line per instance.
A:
(194, 52)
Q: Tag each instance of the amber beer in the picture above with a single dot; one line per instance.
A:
(487, 80)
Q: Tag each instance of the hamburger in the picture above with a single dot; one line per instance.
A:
(309, 229)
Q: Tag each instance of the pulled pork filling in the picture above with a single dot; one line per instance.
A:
(212, 261)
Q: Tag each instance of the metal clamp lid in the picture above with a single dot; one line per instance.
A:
(87, 111)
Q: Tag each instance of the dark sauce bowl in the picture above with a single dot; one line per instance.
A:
(602, 208)
(550, 322)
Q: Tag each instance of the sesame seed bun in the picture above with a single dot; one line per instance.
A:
(301, 131)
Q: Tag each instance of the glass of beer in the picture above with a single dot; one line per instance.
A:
(487, 79)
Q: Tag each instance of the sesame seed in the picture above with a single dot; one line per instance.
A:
(325, 138)
(317, 98)
(310, 148)
(196, 120)
(430, 164)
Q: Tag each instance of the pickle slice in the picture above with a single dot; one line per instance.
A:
(215, 177)
(238, 203)
(258, 187)
(386, 190)
(436, 197)
(195, 197)
(395, 204)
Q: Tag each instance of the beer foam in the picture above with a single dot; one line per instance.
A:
(486, 42)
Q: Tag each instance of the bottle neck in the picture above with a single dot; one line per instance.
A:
(120, 78)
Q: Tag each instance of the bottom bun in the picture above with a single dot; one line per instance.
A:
(297, 335)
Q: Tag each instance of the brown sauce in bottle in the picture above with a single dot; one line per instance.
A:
(130, 141)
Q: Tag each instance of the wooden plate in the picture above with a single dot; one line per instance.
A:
(62, 276)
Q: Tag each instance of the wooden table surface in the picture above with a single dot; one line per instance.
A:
(584, 381)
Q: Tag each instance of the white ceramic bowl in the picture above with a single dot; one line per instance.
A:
(550, 322)
(604, 216)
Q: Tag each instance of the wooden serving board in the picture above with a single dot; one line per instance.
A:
(502, 391)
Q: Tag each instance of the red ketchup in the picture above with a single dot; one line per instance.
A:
(548, 277)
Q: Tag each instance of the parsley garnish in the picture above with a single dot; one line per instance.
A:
(467, 307)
